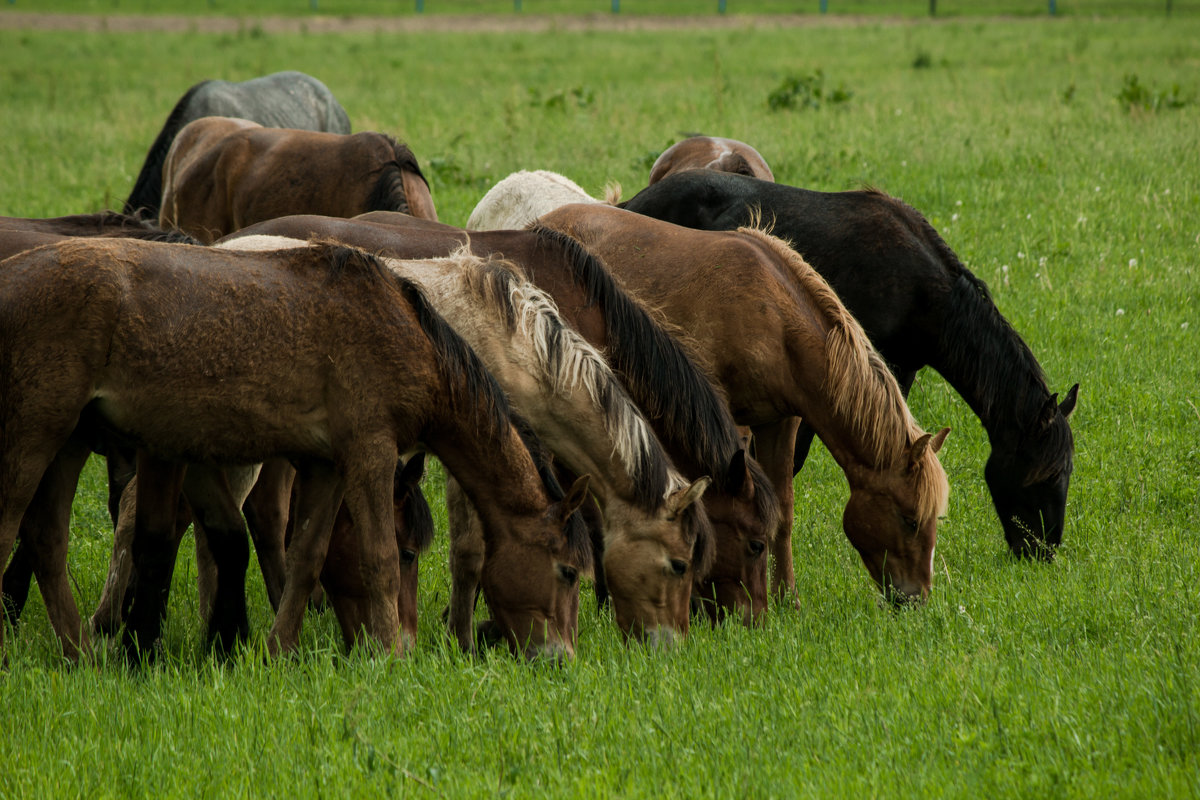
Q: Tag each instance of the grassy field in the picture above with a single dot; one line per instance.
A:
(1058, 158)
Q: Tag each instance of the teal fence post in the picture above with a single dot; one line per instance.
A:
(721, 6)
(1053, 7)
(824, 6)
(420, 6)
(933, 8)
(616, 6)
(516, 5)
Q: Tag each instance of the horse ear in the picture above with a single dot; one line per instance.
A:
(737, 477)
(1068, 404)
(1046, 415)
(933, 441)
(685, 497)
(575, 496)
(410, 474)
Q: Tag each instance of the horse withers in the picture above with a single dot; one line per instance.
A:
(212, 357)
(223, 173)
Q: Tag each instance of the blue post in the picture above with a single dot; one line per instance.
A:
(720, 6)
(616, 6)
(420, 6)
(824, 6)
(516, 5)
(1053, 7)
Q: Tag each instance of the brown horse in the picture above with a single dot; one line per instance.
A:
(687, 413)
(784, 347)
(711, 152)
(224, 173)
(212, 357)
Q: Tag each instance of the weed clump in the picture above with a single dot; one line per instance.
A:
(806, 91)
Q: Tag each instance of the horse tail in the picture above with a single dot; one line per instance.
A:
(663, 378)
(390, 192)
(146, 198)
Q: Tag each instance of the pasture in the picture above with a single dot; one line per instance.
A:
(1057, 157)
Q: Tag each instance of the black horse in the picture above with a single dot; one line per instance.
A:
(280, 100)
(920, 306)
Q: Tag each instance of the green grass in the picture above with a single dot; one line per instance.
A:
(1017, 140)
(907, 8)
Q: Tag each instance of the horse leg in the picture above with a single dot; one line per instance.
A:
(107, 617)
(466, 563)
(369, 492)
(48, 536)
(121, 467)
(154, 547)
(804, 440)
(17, 578)
(266, 510)
(222, 549)
(775, 444)
(318, 494)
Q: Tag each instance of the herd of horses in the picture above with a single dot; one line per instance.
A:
(268, 339)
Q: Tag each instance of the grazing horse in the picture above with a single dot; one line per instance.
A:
(223, 174)
(783, 347)
(687, 413)
(919, 305)
(206, 356)
(656, 534)
(711, 152)
(280, 100)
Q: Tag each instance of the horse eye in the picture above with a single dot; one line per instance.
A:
(678, 566)
(568, 575)
(408, 556)
(756, 547)
(910, 523)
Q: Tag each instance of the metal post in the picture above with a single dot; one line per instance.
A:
(824, 6)
(420, 6)
(1053, 7)
(933, 8)
(516, 5)
(616, 5)
(312, 5)
(720, 6)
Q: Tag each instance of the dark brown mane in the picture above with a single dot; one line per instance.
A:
(388, 193)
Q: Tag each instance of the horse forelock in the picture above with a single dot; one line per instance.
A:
(571, 364)
(664, 373)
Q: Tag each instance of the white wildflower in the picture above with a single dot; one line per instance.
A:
(1120, 312)
(1133, 262)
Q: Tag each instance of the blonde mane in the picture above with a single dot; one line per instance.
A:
(863, 390)
(570, 364)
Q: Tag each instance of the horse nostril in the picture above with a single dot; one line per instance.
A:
(678, 566)
(756, 547)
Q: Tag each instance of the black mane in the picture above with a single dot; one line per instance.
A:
(388, 192)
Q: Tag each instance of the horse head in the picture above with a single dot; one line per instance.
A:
(1028, 474)
(651, 566)
(891, 519)
(743, 517)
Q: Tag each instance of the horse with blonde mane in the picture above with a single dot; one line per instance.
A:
(687, 413)
(656, 533)
(321, 355)
(784, 347)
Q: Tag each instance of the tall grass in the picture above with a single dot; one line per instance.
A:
(1019, 142)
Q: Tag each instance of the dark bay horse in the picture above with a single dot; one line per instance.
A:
(686, 411)
(321, 355)
(711, 152)
(920, 306)
(223, 174)
(281, 100)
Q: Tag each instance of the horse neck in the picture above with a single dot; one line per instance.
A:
(496, 471)
(555, 380)
(986, 361)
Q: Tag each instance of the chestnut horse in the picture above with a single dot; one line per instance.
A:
(784, 347)
(213, 357)
(281, 100)
(711, 152)
(687, 413)
(919, 305)
(223, 174)
(655, 530)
